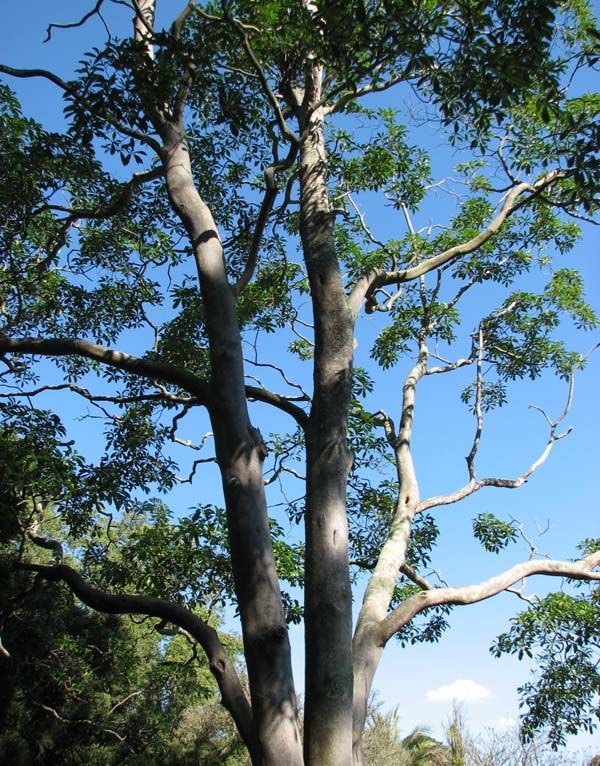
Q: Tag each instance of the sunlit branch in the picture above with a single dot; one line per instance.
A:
(413, 575)
(376, 278)
(185, 443)
(392, 557)
(471, 594)
(474, 484)
(449, 366)
(478, 408)
(48, 543)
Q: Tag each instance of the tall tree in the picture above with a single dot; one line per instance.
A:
(246, 121)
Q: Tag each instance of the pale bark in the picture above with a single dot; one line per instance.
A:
(367, 646)
(240, 449)
(328, 601)
(377, 278)
(471, 594)
(240, 454)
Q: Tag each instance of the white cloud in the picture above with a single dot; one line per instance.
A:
(462, 690)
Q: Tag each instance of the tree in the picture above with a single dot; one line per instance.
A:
(82, 687)
(232, 110)
(382, 743)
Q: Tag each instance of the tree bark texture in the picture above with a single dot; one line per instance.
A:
(328, 602)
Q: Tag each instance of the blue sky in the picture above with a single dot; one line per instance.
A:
(561, 495)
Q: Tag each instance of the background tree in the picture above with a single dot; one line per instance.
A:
(83, 687)
(246, 121)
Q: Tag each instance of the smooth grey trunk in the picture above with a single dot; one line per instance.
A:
(240, 453)
(328, 601)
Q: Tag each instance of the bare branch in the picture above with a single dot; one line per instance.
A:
(471, 594)
(195, 464)
(520, 593)
(474, 485)
(123, 702)
(392, 557)
(67, 87)
(55, 714)
(478, 409)
(346, 98)
(121, 400)
(304, 395)
(449, 366)
(95, 11)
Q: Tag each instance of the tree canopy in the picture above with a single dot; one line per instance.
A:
(222, 243)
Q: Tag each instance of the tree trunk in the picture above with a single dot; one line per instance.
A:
(368, 641)
(240, 453)
(328, 602)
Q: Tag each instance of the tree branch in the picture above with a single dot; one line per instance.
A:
(147, 368)
(474, 484)
(45, 542)
(271, 97)
(269, 197)
(471, 594)
(116, 205)
(95, 11)
(233, 696)
(158, 397)
(55, 714)
(254, 393)
(70, 89)
(413, 575)
(376, 278)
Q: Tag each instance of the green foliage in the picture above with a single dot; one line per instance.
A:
(99, 689)
(493, 533)
(383, 744)
(562, 633)
(493, 76)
